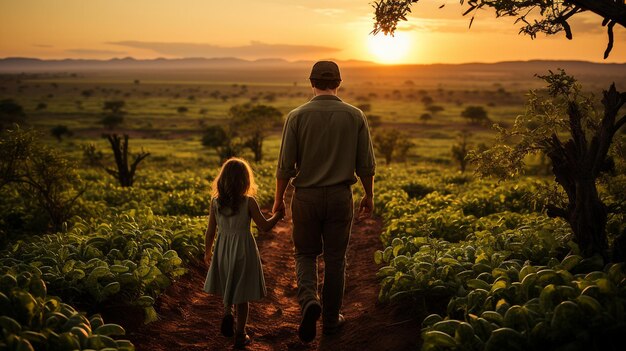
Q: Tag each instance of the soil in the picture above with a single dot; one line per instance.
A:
(190, 318)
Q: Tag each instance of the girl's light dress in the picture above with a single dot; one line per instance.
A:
(235, 272)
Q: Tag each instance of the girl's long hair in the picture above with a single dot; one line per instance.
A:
(234, 181)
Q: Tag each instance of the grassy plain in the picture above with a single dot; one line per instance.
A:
(151, 109)
(167, 110)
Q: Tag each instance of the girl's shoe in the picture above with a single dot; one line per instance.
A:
(242, 340)
(228, 325)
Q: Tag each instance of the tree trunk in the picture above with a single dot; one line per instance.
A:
(388, 158)
(588, 220)
(124, 173)
(258, 148)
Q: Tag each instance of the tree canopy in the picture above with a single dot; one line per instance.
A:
(115, 106)
(475, 114)
(10, 112)
(393, 144)
(40, 173)
(536, 16)
(254, 123)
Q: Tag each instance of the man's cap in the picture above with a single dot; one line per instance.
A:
(325, 70)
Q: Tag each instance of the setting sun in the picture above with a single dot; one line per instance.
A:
(389, 49)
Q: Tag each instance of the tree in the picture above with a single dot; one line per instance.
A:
(475, 114)
(124, 174)
(40, 173)
(254, 123)
(114, 106)
(392, 143)
(434, 109)
(92, 157)
(460, 151)
(364, 107)
(403, 146)
(425, 117)
(537, 16)
(427, 100)
(112, 121)
(10, 112)
(374, 121)
(577, 162)
(115, 115)
(182, 110)
(224, 140)
(60, 131)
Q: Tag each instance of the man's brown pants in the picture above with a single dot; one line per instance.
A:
(322, 220)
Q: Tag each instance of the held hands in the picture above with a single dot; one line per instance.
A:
(279, 206)
(280, 214)
(366, 208)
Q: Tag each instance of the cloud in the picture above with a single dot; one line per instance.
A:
(95, 52)
(586, 24)
(255, 49)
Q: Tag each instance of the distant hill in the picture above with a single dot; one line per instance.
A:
(22, 64)
(279, 70)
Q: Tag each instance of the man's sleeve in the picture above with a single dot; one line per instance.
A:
(365, 161)
(288, 151)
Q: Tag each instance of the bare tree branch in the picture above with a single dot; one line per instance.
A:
(549, 17)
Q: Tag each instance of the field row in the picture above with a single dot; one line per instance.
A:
(512, 275)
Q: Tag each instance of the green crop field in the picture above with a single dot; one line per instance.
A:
(513, 277)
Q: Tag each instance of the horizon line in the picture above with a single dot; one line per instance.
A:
(294, 61)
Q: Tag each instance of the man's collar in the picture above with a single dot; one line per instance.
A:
(326, 97)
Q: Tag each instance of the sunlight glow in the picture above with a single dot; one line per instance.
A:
(388, 49)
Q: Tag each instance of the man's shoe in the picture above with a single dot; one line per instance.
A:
(308, 325)
(242, 340)
(228, 324)
(334, 328)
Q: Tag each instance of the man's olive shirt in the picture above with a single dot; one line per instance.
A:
(324, 143)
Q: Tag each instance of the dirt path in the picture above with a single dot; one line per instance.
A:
(190, 318)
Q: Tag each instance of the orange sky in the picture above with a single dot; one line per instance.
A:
(291, 29)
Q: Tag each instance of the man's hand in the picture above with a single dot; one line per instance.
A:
(207, 258)
(366, 208)
(281, 214)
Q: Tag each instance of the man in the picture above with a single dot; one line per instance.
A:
(324, 143)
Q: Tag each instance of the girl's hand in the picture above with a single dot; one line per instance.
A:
(207, 258)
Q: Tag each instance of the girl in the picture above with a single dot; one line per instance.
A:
(235, 270)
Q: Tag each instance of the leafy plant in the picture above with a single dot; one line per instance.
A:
(33, 320)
